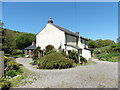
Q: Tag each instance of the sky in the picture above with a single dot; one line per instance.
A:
(94, 20)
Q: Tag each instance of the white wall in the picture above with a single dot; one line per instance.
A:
(53, 36)
(86, 54)
(50, 35)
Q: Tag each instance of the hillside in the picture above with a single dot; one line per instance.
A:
(9, 37)
(108, 53)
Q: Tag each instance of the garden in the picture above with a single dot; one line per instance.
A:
(108, 53)
(12, 73)
(56, 60)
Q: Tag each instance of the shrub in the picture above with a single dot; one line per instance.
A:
(12, 69)
(36, 52)
(96, 51)
(16, 52)
(82, 59)
(49, 47)
(5, 84)
(73, 55)
(13, 65)
(7, 55)
(13, 73)
(50, 51)
(6, 59)
(64, 54)
(35, 61)
(55, 61)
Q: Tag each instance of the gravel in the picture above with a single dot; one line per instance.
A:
(100, 75)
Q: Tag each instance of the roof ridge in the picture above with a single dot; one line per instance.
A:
(65, 30)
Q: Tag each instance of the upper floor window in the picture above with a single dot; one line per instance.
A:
(71, 40)
(85, 42)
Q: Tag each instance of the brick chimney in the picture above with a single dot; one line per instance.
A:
(50, 20)
(33, 43)
(77, 33)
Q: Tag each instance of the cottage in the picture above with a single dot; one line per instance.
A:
(60, 37)
(29, 50)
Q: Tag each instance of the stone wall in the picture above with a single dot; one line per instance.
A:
(1, 63)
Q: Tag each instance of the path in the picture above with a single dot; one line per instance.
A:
(100, 75)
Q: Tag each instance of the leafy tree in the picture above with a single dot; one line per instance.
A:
(8, 40)
(92, 44)
(102, 43)
(24, 40)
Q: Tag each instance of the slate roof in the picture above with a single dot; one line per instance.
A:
(83, 38)
(69, 32)
(31, 47)
(65, 30)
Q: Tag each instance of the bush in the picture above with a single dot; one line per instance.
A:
(7, 55)
(64, 54)
(55, 61)
(49, 47)
(16, 52)
(73, 55)
(35, 61)
(50, 51)
(96, 51)
(5, 84)
(112, 57)
(36, 52)
(13, 73)
(13, 69)
(13, 65)
(6, 59)
(82, 59)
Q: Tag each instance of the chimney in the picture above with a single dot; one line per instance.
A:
(33, 43)
(50, 20)
(77, 33)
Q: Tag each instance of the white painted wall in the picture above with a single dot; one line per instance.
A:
(50, 35)
(86, 54)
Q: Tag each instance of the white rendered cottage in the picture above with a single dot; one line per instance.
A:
(61, 37)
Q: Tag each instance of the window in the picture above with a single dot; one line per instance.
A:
(81, 41)
(71, 40)
(80, 51)
(86, 42)
(69, 51)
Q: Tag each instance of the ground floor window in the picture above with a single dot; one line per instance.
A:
(69, 51)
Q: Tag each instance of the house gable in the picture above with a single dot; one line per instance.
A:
(50, 35)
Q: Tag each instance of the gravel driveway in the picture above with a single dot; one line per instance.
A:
(100, 75)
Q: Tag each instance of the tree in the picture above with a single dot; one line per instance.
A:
(24, 40)
(1, 24)
(102, 43)
(92, 44)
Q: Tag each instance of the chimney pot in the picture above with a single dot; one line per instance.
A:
(50, 20)
(33, 43)
(77, 33)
